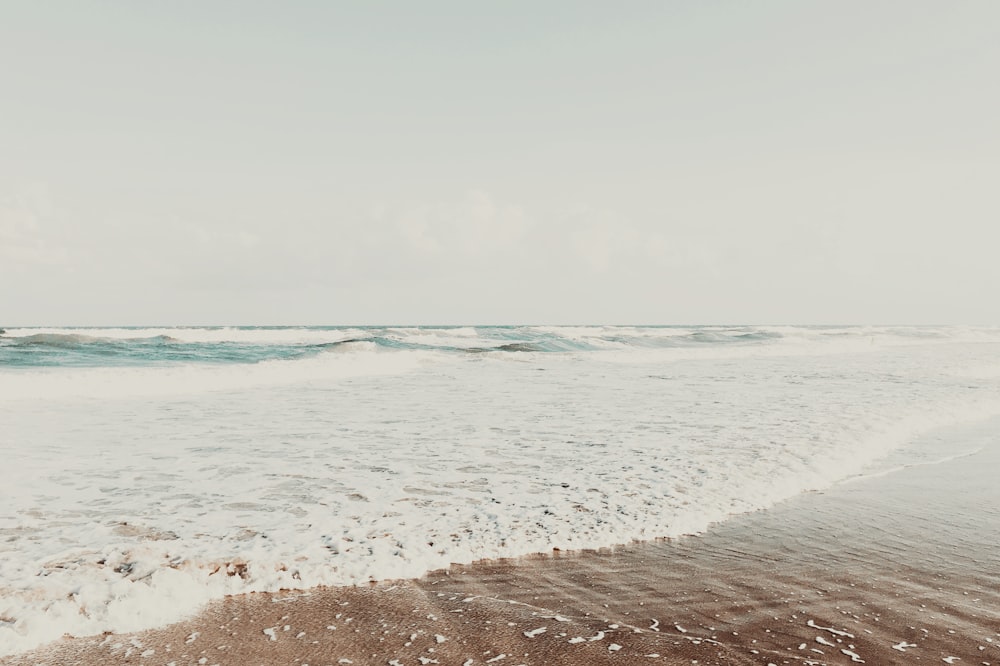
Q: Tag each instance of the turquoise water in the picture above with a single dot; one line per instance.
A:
(138, 346)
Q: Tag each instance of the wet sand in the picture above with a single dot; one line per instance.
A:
(898, 569)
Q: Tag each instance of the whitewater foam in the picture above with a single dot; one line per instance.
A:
(133, 495)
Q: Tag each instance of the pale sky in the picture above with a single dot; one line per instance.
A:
(325, 162)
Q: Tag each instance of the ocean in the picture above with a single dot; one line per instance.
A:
(147, 471)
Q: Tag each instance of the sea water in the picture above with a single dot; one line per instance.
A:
(145, 472)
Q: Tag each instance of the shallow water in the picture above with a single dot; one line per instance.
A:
(894, 568)
(151, 470)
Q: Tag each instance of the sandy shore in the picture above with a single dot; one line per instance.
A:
(899, 569)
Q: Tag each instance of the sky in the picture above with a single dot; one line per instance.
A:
(319, 162)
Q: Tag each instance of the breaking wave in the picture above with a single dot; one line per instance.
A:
(148, 471)
(164, 346)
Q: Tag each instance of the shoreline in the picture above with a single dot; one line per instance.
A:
(893, 568)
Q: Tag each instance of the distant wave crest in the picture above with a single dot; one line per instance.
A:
(111, 347)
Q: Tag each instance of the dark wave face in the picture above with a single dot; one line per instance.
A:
(71, 349)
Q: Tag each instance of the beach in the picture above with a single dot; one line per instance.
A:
(898, 567)
(499, 334)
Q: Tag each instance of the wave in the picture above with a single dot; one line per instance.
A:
(57, 340)
(138, 576)
(77, 340)
(350, 343)
(97, 347)
(208, 335)
(357, 358)
(309, 470)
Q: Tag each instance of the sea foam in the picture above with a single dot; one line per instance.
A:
(133, 495)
